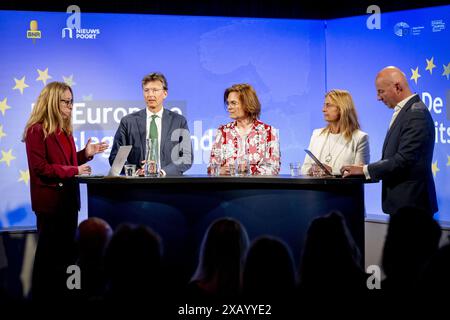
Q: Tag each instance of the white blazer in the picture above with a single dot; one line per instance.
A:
(355, 151)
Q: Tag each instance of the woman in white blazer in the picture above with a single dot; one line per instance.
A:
(341, 142)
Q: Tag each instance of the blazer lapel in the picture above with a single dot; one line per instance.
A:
(66, 157)
(74, 151)
(141, 125)
(321, 140)
(398, 120)
(166, 121)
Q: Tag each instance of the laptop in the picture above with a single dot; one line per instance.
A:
(321, 165)
(116, 168)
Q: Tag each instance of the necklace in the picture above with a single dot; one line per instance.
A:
(329, 156)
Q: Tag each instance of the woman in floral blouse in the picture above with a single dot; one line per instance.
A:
(246, 136)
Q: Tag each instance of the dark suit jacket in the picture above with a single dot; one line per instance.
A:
(176, 149)
(405, 167)
(52, 184)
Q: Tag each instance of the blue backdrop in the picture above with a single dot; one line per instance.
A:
(291, 64)
(355, 54)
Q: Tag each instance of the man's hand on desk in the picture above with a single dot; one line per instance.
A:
(141, 171)
(353, 170)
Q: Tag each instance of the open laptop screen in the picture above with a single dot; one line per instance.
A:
(119, 160)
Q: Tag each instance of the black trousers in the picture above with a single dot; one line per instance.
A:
(55, 251)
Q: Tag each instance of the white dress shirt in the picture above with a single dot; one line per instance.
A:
(158, 121)
(398, 108)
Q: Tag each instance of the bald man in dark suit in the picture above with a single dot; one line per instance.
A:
(405, 166)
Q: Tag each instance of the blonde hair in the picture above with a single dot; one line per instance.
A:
(247, 97)
(47, 112)
(348, 118)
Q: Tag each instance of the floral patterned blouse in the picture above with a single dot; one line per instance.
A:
(261, 145)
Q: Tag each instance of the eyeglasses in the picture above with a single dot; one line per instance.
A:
(154, 91)
(67, 102)
(232, 103)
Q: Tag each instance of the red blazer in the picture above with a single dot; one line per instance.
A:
(52, 183)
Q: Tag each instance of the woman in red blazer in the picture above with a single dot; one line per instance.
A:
(55, 198)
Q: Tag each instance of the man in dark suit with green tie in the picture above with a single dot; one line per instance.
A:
(156, 123)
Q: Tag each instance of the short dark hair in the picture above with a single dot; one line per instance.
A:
(155, 76)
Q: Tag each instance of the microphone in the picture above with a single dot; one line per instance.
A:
(33, 33)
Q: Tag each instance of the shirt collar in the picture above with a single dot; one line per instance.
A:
(159, 113)
(402, 103)
(255, 124)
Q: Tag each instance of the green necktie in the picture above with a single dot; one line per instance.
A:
(153, 136)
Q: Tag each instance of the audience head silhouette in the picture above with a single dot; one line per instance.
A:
(331, 260)
(269, 269)
(133, 261)
(221, 258)
(412, 239)
(93, 236)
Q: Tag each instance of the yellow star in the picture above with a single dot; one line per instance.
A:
(43, 76)
(24, 176)
(415, 74)
(2, 133)
(7, 157)
(69, 80)
(430, 65)
(448, 161)
(4, 106)
(446, 70)
(20, 84)
(435, 168)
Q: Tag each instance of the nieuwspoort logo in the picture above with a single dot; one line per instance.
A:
(73, 28)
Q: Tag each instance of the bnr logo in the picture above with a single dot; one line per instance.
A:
(72, 22)
(34, 32)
